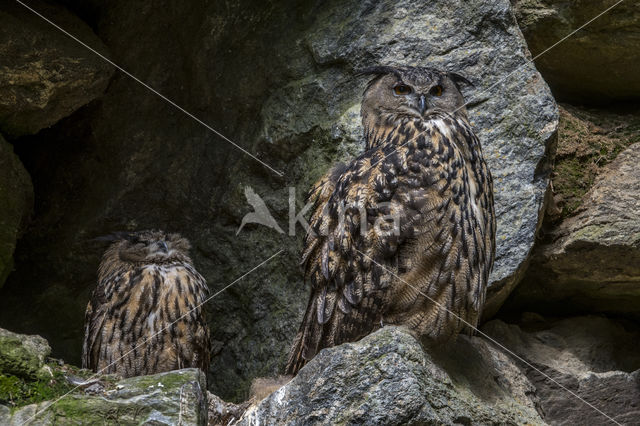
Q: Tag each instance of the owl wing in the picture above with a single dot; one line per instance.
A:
(350, 251)
(189, 320)
(93, 326)
(448, 267)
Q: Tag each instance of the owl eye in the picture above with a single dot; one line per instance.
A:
(436, 90)
(402, 89)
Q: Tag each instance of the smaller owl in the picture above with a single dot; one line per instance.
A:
(146, 314)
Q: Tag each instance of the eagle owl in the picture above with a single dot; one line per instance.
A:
(411, 216)
(146, 314)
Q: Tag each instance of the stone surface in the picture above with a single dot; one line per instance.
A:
(598, 64)
(172, 398)
(591, 262)
(21, 355)
(387, 378)
(16, 204)
(278, 78)
(596, 358)
(44, 74)
(588, 140)
(222, 413)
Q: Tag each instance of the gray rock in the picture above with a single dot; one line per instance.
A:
(596, 358)
(222, 413)
(45, 75)
(592, 260)
(16, 204)
(387, 378)
(279, 79)
(5, 414)
(599, 63)
(172, 398)
(21, 355)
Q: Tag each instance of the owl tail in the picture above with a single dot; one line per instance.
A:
(305, 345)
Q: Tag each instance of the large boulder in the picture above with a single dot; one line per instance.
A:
(280, 80)
(22, 356)
(44, 74)
(172, 398)
(599, 63)
(591, 261)
(16, 204)
(596, 358)
(387, 378)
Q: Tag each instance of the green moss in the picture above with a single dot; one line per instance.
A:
(574, 184)
(96, 411)
(17, 392)
(168, 381)
(588, 140)
(17, 359)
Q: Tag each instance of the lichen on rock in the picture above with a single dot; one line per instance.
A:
(21, 355)
(26, 374)
(590, 262)
(387, 378)
(588, 140)
(171, 398)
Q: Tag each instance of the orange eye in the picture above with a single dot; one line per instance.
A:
(436, 90)
(402, 89)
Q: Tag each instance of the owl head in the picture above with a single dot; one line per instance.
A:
(396, 93)
(147, 247)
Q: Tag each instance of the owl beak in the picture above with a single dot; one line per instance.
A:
(422, 104)
(163, 246)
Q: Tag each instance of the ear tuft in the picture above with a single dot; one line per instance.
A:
(459, 79)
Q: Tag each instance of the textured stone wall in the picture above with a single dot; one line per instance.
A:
(280, 80)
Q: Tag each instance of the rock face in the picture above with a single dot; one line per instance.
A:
(598, 64)
(279, 78)
(16, 204)
(176, 397)
(588, 140)
(45, 75)
(594, 357)
(592, 263)
(387, 378)
(223, 413)
(21, 355)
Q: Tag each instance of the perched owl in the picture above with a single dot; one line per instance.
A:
(146, 314)
(411, 216)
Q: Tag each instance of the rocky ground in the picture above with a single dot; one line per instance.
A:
(38, 390)
(85, 151)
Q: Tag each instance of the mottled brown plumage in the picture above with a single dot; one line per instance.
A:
(423, 180)
(145, 315)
